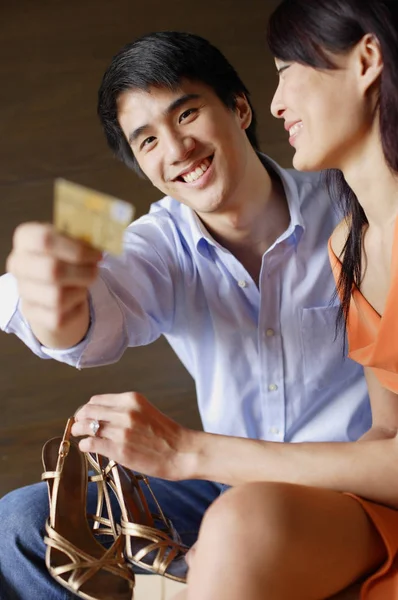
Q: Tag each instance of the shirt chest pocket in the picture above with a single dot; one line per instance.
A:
(323, 358)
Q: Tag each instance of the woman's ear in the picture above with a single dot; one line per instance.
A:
(370, 61)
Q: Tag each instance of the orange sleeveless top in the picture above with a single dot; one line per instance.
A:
(373, 339)
(373, 342)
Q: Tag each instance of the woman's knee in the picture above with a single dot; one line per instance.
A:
(256, 514)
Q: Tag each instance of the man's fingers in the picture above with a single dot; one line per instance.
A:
(60, 299)
(50, 270)
(43, 238)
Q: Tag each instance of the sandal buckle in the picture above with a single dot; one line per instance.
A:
(64, 448)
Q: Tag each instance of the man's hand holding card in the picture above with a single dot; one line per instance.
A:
(55, 265)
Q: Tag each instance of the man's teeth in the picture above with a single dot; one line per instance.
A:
(295, 129)
(196, 173)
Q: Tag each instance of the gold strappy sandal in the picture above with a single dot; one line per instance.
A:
(73, 556)
(152, 543)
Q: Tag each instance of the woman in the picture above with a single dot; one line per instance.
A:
(338, 96)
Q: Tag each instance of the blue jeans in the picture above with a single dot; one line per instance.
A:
(23, 513)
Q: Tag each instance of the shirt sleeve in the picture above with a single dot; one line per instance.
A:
(131, 304)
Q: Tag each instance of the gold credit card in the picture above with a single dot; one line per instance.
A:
(95, 218)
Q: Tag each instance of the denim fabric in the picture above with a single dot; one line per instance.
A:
(23, 513)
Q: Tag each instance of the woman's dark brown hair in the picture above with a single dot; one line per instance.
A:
(311, 32)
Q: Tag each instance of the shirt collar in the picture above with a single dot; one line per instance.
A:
(297, 225)
(202, 237)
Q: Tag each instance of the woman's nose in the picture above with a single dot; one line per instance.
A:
(277, 106)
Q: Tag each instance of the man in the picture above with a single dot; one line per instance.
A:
(231, 266)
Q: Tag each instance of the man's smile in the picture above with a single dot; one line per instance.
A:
(195, 171)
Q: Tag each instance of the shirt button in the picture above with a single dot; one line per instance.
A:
(272, 387)
(270, 332)
(242, 283)
(274, 431)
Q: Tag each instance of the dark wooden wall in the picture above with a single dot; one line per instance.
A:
(52, 56)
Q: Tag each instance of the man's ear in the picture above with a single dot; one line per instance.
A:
(243, 111)
(370, 62)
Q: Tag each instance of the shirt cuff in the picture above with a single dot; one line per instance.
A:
(107, 337)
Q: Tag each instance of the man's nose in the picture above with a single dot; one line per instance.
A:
(179, 147)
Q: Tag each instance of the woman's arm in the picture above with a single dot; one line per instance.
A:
(368, 468)
(384, 413)
(136, 434)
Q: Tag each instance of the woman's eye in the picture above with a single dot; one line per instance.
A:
(282, 69)
(186, 114)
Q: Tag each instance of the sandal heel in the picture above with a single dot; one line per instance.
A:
(151, 541)
(73, 556)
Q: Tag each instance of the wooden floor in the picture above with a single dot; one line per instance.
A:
(53, 54)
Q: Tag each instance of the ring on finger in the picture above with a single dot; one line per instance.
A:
(94, 427)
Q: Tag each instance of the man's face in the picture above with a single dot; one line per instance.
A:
(187, 142)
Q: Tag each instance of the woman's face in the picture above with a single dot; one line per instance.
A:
(325, 112)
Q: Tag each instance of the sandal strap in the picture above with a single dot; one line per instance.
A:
(163, 543)
(63, 452)
(103, 479)
(112, 560)
(170, 530)
(50, 475)
(150, 533)
(105, 474)
(103, 526)
(158, 541)
(145, 479)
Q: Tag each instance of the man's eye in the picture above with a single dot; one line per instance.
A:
(186, 114)
(147, 141)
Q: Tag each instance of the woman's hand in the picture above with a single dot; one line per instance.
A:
(135, 434)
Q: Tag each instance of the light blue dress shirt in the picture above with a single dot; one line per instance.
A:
(264, 359)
